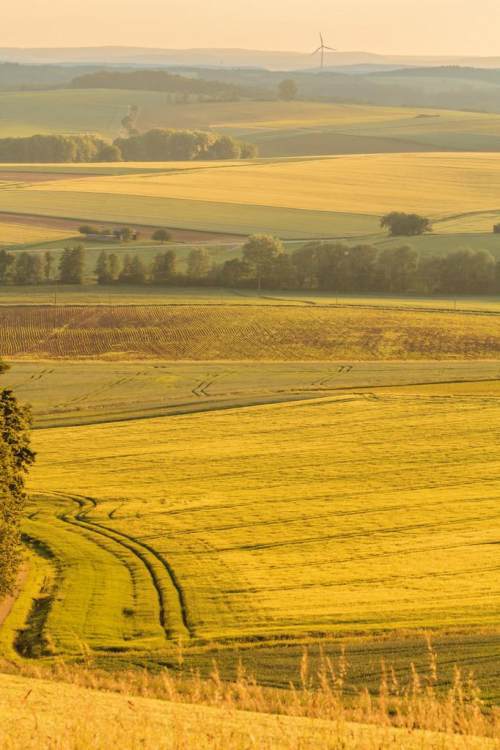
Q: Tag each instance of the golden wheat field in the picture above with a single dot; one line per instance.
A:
(239, 332)
(351, 513)
(24, 234)
(437, 184)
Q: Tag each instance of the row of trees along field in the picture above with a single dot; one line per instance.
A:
(154, 145)
(15, 458)
(264, 264)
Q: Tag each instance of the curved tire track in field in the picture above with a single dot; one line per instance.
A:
(144, 553)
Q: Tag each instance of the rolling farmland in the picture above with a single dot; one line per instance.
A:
(279, 128)
(295, 198)
(233, 333)
(73, 393)
(367, 184)
(345, 515)
(234, 475)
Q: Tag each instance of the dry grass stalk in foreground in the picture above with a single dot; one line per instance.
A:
(411, 716)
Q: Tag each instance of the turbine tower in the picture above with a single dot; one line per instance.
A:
(322, 48)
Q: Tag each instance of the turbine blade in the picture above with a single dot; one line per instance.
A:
(316, 51)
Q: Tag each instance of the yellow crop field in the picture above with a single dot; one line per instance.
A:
(245, 332)
(354, 513)
(24, 234)
(122, 714)
(435, 184)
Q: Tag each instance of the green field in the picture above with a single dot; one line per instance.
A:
(279, 128)
(93, 294)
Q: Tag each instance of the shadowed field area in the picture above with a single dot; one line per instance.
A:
(72, 393)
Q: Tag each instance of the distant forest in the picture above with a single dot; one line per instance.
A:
(316, 266)
(155, 145)
(162, 80)
(452, 87)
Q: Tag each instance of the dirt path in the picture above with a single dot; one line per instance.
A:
(8, 602)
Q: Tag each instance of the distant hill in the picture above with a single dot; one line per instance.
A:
(17, 76)
(272, 59)
(162, 80)
(492, 75)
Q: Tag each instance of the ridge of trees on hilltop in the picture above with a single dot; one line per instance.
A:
(161, 80)
(154, 145)
(264, 264)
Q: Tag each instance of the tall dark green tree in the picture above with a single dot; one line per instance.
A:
(16, 457)
(72, 265)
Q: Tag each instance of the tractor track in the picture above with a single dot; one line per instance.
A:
(141, 551)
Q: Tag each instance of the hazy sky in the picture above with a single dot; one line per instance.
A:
(391, 26)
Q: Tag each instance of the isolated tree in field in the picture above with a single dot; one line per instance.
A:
(161, 235)
(405, 225)
(260, 250)
(288, 90)
(199, 263)
(72, 265)
(87, 229)
(16, 457)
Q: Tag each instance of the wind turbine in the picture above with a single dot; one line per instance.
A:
(322, 48)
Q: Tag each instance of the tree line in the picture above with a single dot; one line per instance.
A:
(25, 268)
(264, 264)
(155, 145)
(161, 80)
(15, 458)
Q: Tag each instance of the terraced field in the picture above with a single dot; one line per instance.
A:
(368, 511)
(232, 333)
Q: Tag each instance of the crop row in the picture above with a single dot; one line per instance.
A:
(249, 333)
